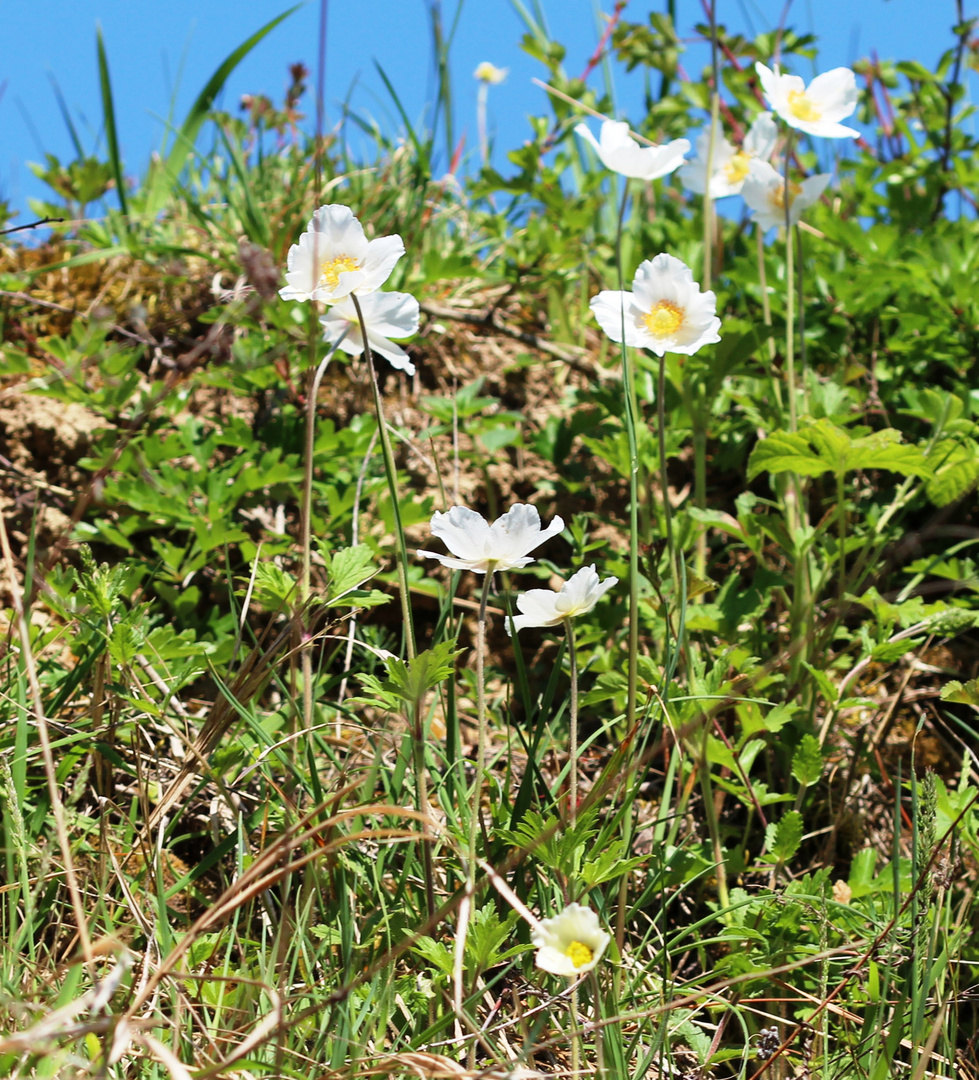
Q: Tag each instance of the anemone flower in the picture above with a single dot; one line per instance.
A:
(764, 192)
(621, 153)
(665, 312)
(571, 943)
(386, 315)
(577, 596)
(490, 73)
(333, 258)
(483, 548)
(729, 164)
(816, 109)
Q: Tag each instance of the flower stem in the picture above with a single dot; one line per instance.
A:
(841, 540)
(713, 826)
(766, 307)
(573, 660)
(715, 109)
(632, 684)
(789, 294)
(390, 472)
(306, 529)
(421, 785)
(801, 591)
(629, 393)
(677, 569)
(699, 412)
(480, 724)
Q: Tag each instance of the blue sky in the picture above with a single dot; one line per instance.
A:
(163, 51)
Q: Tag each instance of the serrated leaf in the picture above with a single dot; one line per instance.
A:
(807, 761)
(349, 568)
(784, 836)
(889, 651)
(784, 451)
(962, 693)
(957, 474)
(608, 865)
(413, 679)
(825, 447)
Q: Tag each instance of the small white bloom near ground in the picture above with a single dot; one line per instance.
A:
(571, 943)
(577, 596)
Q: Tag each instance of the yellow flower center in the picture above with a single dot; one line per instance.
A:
(578, 954)
(330, 271)
(778, 194)
(737, 167)
(664, 319)
(803, 107)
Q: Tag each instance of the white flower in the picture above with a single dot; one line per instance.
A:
(764, 192)
(816, 109)
(665, 312)
(730, 165)
(490, 73)
(621, 153)
(333, 258)
(386, 315)
(577, 596)
(483, 548)
(571, 943)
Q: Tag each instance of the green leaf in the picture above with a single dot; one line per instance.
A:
(807, 761)
(784, 837)
(608, 865)
(349, 568)
(962, 693)
(824, 447)
(412, 680)
(958, 473)
(782, 452)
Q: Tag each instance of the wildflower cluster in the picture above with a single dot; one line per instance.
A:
(334, 264)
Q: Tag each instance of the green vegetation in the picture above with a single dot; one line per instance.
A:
(244, 831)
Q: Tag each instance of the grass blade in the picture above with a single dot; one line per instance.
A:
(109, 115)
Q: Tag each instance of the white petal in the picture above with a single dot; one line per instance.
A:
(478, 566)
(342, 232)
(538, 607)
(662, 278)
(516, 533)
(390, 314)
(394, 354)
(463, 531)
(552, 960)
(609, 309)
(761, 138)
(619, 151)
(379, 261)
(835, 93)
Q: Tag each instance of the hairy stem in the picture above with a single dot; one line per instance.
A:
(390, 472)
(480, 723)
(573, 766)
